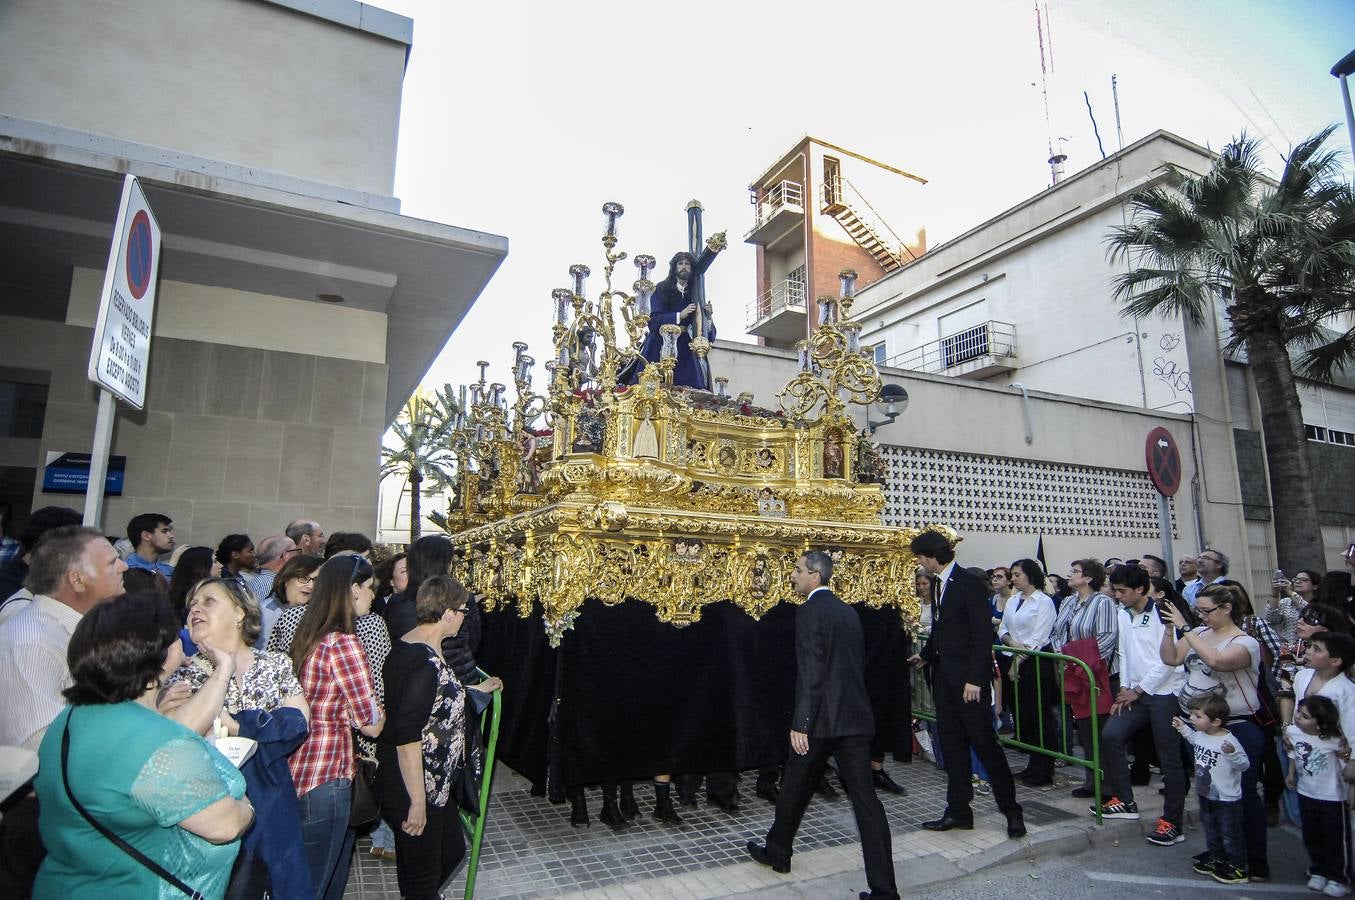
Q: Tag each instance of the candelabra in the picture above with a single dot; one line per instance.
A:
(588, 352)
(831, 362)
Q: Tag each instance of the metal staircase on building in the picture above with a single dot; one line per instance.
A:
(863, 224)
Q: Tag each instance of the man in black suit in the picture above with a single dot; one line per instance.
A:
(831, 718)
(960, 654)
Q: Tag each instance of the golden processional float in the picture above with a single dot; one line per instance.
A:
(670, 497)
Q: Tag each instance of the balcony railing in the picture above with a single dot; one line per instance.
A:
(783, 295)
(787, 193)
(987, 339)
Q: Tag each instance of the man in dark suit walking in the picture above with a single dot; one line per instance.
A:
(831, 718)
(960, 654)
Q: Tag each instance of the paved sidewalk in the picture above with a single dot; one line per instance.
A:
(530, 850)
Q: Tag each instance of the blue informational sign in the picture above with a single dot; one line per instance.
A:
(68, 473)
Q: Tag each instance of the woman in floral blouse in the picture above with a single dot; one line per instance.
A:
(423, 751)
(335, 678)
(263, 702)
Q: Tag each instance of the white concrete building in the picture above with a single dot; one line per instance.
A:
(297, 308)
(1025, 299)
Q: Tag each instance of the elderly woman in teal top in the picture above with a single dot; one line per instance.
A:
(150, 781)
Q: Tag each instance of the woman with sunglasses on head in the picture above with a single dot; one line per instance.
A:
(1220, 658)
(423, 751)
(337, 682)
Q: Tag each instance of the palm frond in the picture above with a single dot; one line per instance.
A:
(1322, 362)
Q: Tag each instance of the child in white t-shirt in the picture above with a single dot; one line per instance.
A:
(1219, 764)
(1317, 754)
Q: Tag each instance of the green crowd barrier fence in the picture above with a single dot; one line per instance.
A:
(475, 825)
(924, 707)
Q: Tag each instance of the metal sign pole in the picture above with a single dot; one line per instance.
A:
(98, 462)
(1164, 524)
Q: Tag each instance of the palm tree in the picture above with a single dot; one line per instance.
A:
(1281, 255)
(421, 450)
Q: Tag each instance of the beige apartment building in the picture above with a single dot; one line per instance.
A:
(297, 308)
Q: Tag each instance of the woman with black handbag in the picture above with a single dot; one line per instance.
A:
(334, 674)
(422, 752)
(165, 810)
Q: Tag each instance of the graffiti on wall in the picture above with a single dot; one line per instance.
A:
(1167, 370)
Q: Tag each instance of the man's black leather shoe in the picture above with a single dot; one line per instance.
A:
(948, 822)
(728, 804)
(885, 783)
(762, 857)
(769, 792)
(1016, 826)
(825, 790)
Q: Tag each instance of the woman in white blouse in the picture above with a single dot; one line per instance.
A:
(1027, 623)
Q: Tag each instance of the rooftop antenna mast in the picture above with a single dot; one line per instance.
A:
(1115, 95)
(1056, 160)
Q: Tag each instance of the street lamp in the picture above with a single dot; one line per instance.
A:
(895, 399)
(1340, 71)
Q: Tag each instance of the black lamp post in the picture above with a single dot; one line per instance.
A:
(895, 399)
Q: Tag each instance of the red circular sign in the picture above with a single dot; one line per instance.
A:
(1164, 461)
(139, 254)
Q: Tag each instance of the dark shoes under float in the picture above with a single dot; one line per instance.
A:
(1016, 825)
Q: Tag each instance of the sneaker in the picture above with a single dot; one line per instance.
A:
(1164, 834)
(983, 788)
(1203, 863)
(1336, 889)
(1316, 883)
(1225, 873)
(1114, 808)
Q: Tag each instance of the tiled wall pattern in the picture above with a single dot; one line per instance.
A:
(973, 492)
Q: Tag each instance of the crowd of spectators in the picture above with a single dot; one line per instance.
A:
(245, 688)
(1195, 677)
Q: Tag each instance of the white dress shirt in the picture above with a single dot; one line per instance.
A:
(1028, 619)
(33, 670)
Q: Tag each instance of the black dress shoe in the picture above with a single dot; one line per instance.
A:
(885, 783)
(1016, 825)
(769, 792)
(825, 790)
(762, 857)
(948, 822)
(728, 804)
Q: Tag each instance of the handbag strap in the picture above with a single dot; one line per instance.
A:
(102, 829)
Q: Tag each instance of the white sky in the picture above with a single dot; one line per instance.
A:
(523, 118)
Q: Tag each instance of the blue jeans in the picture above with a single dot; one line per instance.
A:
(1222, 821)
(328, 839)
(382, 836)
(1253, 742)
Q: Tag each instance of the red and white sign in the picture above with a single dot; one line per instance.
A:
(1164, 461)
(120, 355)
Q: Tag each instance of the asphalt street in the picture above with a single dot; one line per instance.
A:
(1131, 868)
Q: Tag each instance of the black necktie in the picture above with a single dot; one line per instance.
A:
(936, 599)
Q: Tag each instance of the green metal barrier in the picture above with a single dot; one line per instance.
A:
(924, 707)
(475, 825)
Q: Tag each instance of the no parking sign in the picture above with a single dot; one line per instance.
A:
(119, 357)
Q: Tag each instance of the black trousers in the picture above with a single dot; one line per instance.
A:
(960, 727)
(424, 863)
(21, 849)
(1037, 690)
(852, 754)
(1326, 834)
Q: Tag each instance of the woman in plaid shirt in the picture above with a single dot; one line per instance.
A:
(337, 683)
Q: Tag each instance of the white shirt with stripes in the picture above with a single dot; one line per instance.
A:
(33, 670)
